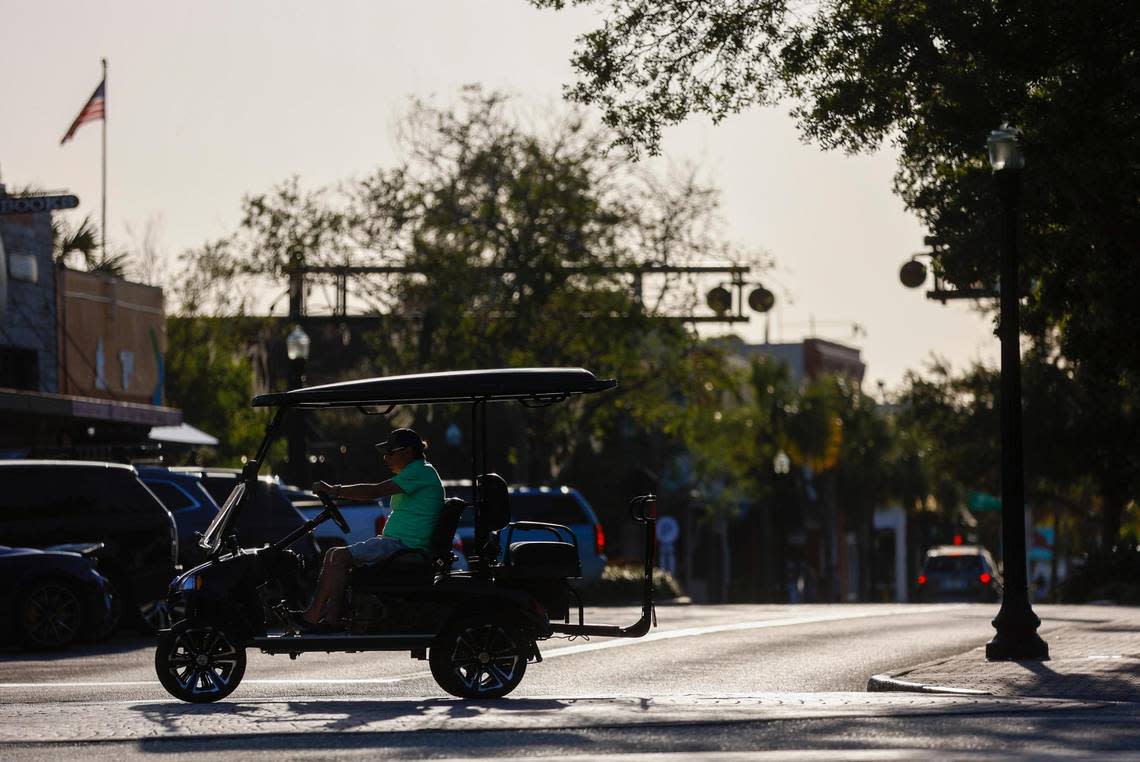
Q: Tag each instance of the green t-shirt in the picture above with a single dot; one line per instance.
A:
(416, 509)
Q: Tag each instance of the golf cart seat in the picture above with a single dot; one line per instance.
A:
(541, 560)
(413, 566)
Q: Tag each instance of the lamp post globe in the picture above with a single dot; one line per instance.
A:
(1015, 625)
(297, 344)
(1004, 149)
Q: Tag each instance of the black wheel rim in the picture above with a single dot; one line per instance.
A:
(202, 661)
(485, 658)
(156, 614)
(52, 615)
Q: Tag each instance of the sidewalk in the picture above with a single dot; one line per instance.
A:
(1094, 655)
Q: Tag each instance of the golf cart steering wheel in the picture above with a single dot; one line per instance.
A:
(334, 512)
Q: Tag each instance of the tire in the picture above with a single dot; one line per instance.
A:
(49, 615)
(198, 664)
(479, 658)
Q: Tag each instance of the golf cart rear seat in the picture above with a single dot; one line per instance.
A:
(411, 566)
(541, 560)
(548, 559)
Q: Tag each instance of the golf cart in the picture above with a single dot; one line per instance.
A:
(478, 629)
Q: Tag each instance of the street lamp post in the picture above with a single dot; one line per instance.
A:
(297, 348)
(1016, 624)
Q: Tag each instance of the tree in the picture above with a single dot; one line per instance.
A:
(67, 242)
(210, 376)
(933, 78)
(1079, 456)
(519, 238)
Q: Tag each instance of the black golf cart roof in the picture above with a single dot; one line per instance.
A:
(535, 385)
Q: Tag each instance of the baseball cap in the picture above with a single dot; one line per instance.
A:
(401, 438)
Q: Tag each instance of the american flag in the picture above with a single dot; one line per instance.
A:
(94, 110)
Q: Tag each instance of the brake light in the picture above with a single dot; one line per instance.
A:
(985, 578)
(599, 539)
(922, 579)
(381, 520)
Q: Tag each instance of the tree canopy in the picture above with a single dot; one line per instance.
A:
(519, 239)
(933, 79)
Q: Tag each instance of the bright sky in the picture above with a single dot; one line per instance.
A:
(211, 100)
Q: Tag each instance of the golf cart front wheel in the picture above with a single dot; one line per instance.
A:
(199, 663)
(476, 658)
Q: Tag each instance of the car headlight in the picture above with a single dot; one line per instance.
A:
(191, 582)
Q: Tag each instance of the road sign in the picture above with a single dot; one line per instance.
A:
(36, 204)
(982, 501)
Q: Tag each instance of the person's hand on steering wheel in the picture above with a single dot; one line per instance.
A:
(327, 492)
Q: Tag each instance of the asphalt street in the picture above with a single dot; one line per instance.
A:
(709, 679)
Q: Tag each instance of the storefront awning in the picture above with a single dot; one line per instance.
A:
(183, 434)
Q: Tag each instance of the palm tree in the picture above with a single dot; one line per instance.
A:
(84, 241)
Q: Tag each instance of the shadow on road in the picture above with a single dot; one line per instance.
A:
(1047, 732)
(332, 715)
(1118, 680)
(118, 645)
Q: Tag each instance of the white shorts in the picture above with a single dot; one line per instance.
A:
(374, 549)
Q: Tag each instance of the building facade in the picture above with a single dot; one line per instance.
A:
(80, 353)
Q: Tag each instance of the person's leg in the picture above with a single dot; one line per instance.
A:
(330, 586)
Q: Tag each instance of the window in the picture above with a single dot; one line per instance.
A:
(953, 564)
(19, 368)
(552, 507)
(48, 492)
(172, 496)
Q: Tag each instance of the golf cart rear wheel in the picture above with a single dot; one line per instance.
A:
(479, 658)
(199, 663)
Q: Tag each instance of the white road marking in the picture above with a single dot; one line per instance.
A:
(684, 632)
(753, 625)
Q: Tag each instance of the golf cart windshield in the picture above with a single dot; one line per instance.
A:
(214, 533)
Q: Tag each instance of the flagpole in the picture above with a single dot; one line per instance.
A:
(104, 222)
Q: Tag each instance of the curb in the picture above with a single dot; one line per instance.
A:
(883, 683)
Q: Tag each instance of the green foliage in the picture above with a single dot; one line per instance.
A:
(210, 377)
(1078, 437)
(517, 240)
(1111, 574)
(935, 78)
(83, 243)
(623, 584)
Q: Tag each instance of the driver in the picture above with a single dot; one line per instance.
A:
(417, 498)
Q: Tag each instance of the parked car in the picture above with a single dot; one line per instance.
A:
(191, 504)
(268, 517)
(555, 505)
(45, 502)
(52, 598)
(959, 573)
(365, 520)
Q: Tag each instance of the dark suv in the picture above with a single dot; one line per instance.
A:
(45, 502)
(192, 506)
